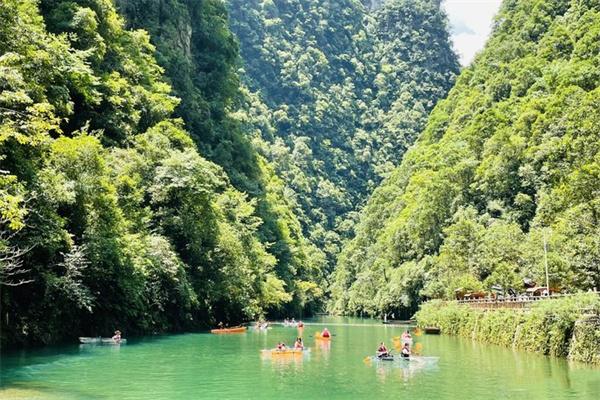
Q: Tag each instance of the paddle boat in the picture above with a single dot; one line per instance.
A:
(236, 329)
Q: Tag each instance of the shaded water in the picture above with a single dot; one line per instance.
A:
(197, 366)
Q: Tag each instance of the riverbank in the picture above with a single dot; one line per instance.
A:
(568, 327)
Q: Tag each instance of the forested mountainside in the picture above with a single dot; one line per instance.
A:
(509, 157)
(152, 179)
(346, 92)
(111, 218)
(200, 57)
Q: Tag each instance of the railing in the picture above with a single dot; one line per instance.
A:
(521, 301)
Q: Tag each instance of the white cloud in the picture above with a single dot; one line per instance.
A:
(471, 23)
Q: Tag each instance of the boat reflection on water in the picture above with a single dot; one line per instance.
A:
(404, 369)
(92, 348)
(323, 349)
(283, 360)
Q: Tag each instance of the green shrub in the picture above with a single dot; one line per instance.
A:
(567, 326)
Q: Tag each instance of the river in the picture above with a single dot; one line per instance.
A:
(205, 366)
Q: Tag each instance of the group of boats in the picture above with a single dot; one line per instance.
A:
(404, 344)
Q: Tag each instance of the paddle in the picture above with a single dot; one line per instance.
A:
(418, 349)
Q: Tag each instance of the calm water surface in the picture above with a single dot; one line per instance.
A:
(205, 366)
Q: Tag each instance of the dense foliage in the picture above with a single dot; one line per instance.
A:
(200, 57)
(346, 92)
(510, 157)
(110, 217)
(565, 327)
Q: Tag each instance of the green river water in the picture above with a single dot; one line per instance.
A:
(205, 366)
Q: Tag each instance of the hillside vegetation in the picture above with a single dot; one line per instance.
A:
(347, 92)
(153, 180)
(566, 327)
(509, 157)
(110, 216)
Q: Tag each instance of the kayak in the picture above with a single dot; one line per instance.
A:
(99, 340)
(113, 341)
(416, 359)
(90, 340)
(239, 329)
(286, 352)
(318, 336)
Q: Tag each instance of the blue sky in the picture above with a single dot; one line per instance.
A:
(471, 22)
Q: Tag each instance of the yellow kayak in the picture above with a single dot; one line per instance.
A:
(286, 352)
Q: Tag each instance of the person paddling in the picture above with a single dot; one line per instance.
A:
(325, 333)
(382, 351)
(298, 344)
(117, 336)
(405, 352)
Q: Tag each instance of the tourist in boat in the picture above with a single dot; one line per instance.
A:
(220, 325)
(382, 351)
(325, 333)
(298, 345)
(405, 351)
(300, 324)
(406, 338)
(281, 346)
(117, 336)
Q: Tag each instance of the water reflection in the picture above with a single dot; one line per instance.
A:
(402, 370)
(279, 361)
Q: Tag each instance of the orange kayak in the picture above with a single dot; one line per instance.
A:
(239, 329)
(320, 337)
